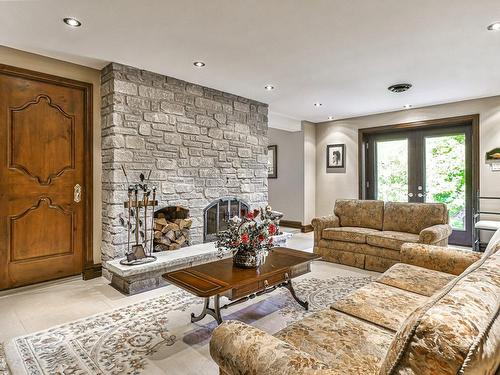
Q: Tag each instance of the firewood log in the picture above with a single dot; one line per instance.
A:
(161, 221)
(170, 235)
(165, 241)
(180, 240)
(185, 223)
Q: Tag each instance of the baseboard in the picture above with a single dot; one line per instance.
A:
(297, 224)
(307, 228)
(92, 272)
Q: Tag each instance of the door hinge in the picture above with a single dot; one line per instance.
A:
(367, 184)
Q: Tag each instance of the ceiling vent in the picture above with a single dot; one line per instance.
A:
(399, 87)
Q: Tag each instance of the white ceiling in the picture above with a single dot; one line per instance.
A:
(341, 53)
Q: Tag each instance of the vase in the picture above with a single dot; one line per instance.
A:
(249, 258)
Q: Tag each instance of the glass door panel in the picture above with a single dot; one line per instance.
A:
(445, 180)
(391, 170)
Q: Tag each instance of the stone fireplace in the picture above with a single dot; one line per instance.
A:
(200, 144)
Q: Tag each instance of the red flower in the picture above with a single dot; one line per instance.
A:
(270, 242)
(244, 238)
(272, 229)
(261, 237)
(250, 215)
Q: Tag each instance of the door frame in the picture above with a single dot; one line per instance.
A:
(449, 122)
(90, 269)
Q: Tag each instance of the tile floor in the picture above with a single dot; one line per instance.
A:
(34, 308)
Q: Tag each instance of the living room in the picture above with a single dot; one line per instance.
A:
(254, 187)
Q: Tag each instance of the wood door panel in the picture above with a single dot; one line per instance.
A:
(44, 233)
(30, 272)
(46, 127)
(29, 237)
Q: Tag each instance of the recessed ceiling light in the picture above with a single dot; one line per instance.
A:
(494, 26)
(407, 106)
(317, 104)
(399, 87)
(269, 87)
(330, 117)
(199, 64)
(73, 22)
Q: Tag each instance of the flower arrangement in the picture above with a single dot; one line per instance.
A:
(249, 238)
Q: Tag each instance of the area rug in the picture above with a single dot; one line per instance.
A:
(156, 337)
(4, 370)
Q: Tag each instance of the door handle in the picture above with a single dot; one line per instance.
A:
(410, 195)
(77, 193)
(420, 195)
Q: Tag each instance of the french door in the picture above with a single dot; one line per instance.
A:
(425, 165)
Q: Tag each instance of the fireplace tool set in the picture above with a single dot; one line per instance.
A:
(138, 250)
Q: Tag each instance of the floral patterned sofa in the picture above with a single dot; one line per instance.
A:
(369, 234)
(437, 312)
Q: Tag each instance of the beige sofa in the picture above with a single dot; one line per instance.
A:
(369, 234)
(437, 312)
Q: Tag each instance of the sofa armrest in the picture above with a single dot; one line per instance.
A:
(445, 259)
(323, 222)
(241, 349)
(436, 233)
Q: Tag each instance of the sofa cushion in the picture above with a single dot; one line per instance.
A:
(391, 239)
(415, 279)
(346, 344)
(413, 217)
(493, 244)
(456, 331)
(360, 213)
(380, 304)
(348, 234)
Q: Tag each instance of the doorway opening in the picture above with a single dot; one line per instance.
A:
(433, 161)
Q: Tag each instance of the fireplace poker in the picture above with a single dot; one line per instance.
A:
(128, 221)
(125, 173)
(146, 202)
(137, 218)
(152, 221)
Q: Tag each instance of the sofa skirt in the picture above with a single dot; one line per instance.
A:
(363, 256)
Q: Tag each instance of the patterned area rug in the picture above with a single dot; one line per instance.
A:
(4, 370)
(156, 337)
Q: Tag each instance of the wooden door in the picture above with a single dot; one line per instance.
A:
(43, 125)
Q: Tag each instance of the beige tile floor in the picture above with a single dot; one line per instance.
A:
(30, 309)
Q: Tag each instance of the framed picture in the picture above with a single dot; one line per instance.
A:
(272, 161)
(335, 156)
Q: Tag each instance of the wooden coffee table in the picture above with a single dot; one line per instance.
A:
(221, 278)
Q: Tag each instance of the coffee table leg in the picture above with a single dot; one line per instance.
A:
(215, 312)
(304, 304)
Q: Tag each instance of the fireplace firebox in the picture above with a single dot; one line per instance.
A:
(217, 213)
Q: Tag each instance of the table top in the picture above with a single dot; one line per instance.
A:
(213, 278)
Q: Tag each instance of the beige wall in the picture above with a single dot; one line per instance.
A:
(47, 65)
(330, 186)
(309, 130)
(286, 193)
(294, 191)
